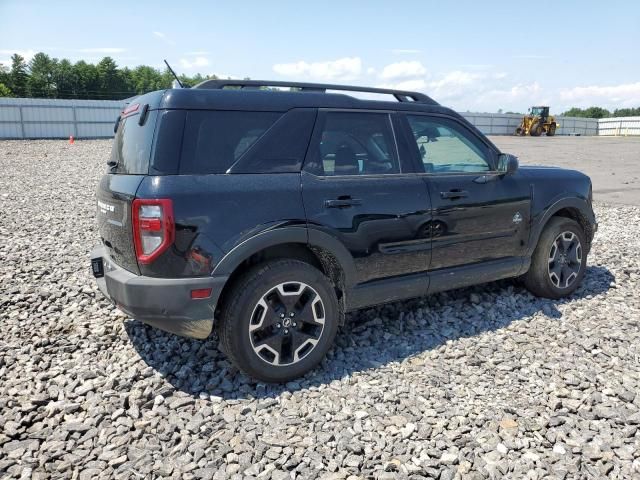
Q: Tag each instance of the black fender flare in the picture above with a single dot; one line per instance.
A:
(576, 202)
(270, 238)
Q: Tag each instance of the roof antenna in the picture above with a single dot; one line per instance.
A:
(174, 75)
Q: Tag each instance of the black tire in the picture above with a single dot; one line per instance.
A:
(552, 130)
(535, 130)
(555, 278)
(251, 325)
(519, 131)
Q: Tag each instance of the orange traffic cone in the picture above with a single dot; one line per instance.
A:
(71, 139)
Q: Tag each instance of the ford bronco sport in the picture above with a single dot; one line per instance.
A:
(271, 213)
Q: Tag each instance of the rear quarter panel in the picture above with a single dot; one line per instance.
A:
(215, 213)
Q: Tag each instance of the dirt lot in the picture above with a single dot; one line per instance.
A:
(613, 163)
(484, 382)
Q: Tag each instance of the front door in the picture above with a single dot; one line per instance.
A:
(356, 188)
(479, 215)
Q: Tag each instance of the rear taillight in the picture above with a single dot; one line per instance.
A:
(153, 227)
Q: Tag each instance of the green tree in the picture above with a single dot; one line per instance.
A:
(5, 91)
(146, 79)
(65, 80)
(88, 80)
(110, 79)
(18, 76)
(52, 78)
(41, 76)
(591, 112)
(627, 112)
(4, 75)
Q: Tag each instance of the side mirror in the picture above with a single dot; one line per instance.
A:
(507, 164)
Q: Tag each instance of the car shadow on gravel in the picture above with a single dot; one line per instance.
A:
(371, 338)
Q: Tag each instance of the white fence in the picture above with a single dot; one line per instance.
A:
(506, 124)
(619, 126)
(48, 118)
(52, 118)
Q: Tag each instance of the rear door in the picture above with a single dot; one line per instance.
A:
(129, 162)
(478, 214)
(356, 188)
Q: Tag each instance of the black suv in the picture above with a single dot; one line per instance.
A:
(270, 213)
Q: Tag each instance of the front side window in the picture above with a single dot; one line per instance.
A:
(444, 147)
(352, 143)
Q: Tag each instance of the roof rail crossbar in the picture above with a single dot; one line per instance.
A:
(400, 95)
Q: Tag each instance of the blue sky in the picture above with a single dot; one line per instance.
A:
(471, 55)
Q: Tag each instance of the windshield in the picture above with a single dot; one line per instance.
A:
(537, 110)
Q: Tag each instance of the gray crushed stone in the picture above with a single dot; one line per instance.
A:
(485, 382)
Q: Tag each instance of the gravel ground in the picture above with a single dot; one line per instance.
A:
(480, 382)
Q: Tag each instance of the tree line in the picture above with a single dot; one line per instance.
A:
(46, 77)
(599, 112)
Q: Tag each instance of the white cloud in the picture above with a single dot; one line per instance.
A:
(159, 34)
(623, 95)
(456, 78)
(102, 50)
(415, 84)
(516, 97)
(403, 70)
(27, 54)
(347, 68)
(470, 90)
(197, 62)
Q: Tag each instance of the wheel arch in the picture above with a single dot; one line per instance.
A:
(575, 208)
(314, 247)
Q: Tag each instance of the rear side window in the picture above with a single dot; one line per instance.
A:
(131, 148)
(282, 149)
(215, 140)
(353, 143)
(168, 142)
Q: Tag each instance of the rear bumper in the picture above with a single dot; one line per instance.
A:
(164, 303)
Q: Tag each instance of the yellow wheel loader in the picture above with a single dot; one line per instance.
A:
(538, 121)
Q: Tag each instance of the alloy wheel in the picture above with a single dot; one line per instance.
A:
(287, 323)
(565, 259)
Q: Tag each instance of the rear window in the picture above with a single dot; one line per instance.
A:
(132, 145)
(214, 140)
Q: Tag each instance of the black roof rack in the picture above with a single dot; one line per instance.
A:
(400, 95)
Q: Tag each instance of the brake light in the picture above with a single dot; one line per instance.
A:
(131, 109)
(153, 227)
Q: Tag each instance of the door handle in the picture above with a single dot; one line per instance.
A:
(342, 202)
(453, 194)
